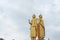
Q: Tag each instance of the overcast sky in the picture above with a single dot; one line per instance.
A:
(14, 16)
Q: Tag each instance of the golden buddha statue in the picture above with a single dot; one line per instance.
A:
(40, 28)
(33, 25)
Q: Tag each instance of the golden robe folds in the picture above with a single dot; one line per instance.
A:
(33, 28)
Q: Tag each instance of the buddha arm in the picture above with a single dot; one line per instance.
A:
(30, 22)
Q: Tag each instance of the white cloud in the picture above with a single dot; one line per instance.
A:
(14, 15)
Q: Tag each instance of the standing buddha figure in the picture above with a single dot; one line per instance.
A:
(40, 28)
(33, 25)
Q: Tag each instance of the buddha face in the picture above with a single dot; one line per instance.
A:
(40, 16)
(34, 16)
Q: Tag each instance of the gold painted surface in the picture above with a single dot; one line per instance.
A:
(37, 27)
(40, 28)
(33, 26)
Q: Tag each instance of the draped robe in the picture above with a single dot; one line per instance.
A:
(40, 29)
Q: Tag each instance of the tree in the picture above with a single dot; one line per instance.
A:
(1, 39)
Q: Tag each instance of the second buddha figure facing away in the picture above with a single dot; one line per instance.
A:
(40, 28)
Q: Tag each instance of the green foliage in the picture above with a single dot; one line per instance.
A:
(1, 39)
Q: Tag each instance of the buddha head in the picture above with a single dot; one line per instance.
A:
(40, 16)
(33, 16)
